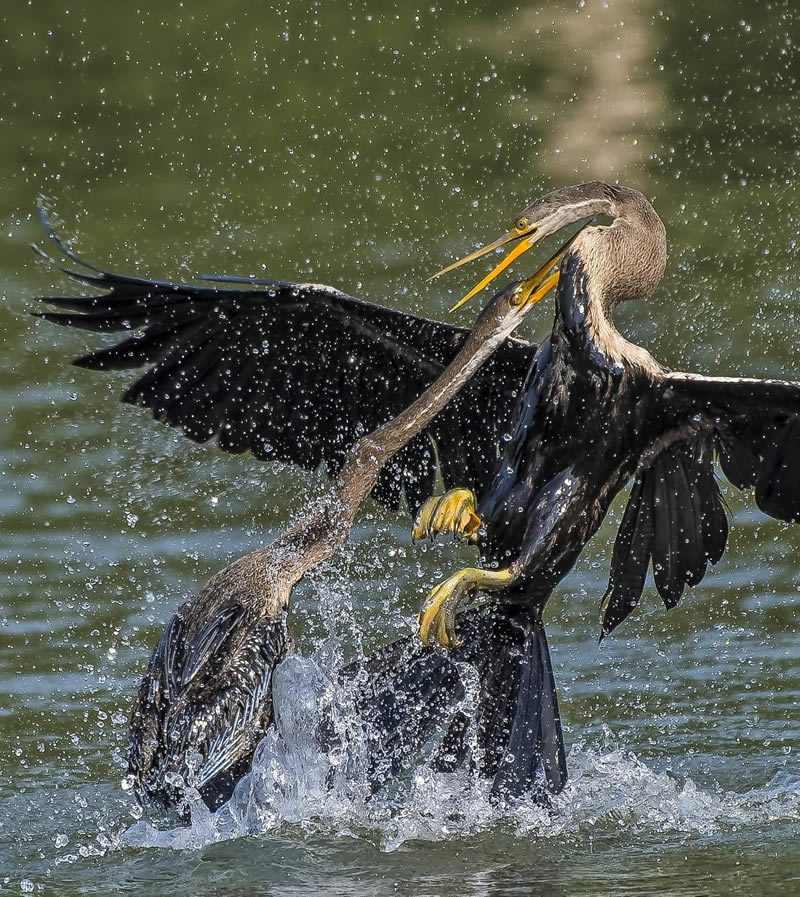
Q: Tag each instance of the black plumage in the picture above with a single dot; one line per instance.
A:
(206, 699)
(297, 373)
(410, 696)
(206, 694)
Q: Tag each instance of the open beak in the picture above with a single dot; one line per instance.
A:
(526, 239)
(539, 285)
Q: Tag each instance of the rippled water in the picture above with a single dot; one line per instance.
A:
(365, 145)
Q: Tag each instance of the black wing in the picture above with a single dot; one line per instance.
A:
(296, 372)
(675, 516)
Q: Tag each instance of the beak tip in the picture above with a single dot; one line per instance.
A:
(466, 298)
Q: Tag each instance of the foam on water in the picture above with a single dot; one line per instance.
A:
(295, 783)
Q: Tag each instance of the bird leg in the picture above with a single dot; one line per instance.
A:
(437, 622)
(453, 512)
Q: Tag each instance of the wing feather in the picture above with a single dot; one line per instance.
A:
(675, 518)
(665, 561)
(754, 428)
(633, 549)
(205, 701)
(295, 372)
(757, 433)
(778, 484)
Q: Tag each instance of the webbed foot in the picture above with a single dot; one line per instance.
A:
(453, 512)
(437, 622)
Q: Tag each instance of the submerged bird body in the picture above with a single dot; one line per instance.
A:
(205, 701)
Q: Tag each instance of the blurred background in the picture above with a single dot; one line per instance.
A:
(366, 144)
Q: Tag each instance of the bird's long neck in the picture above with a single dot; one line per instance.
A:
(584, 315)
(392, 436)
(314, 538)
(378, 447)
(605, 266)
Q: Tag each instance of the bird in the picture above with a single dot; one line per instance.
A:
(205, 700)
(597, 412)
(531, 453)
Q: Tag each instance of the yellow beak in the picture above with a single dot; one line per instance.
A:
(539, 285)
(527, 239)
(484, 250)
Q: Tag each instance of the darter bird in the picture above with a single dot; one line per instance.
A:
(205, 700)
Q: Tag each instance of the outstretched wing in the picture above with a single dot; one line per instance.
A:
(675, 517)
(295, 372)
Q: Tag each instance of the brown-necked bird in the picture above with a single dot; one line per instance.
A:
(205, 700)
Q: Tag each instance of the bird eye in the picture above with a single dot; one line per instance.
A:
(516, 298)
(522, 225)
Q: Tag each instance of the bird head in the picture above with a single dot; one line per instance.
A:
(546, 216)
(506, 310)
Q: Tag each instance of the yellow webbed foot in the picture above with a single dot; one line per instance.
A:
(437, 622)
(453, 512)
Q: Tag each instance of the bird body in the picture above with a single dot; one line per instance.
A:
(575, 442)
(205, 700)
(596, 411)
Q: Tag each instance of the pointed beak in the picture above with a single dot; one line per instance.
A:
(484, 250)
(539, 285)
(526, 240)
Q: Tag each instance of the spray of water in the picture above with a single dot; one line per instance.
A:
(296, 783)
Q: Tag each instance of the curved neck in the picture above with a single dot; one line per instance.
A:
(605, 266)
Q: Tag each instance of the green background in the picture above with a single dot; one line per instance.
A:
(366, 145)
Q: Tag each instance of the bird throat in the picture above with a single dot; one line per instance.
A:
(585, 316)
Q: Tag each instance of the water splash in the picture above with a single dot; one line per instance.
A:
(294, 784)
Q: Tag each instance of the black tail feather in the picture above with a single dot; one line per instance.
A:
(411, 700)
(413, 695)
(406, 692)
(525, 741)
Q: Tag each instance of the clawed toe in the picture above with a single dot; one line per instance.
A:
(453, 512)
